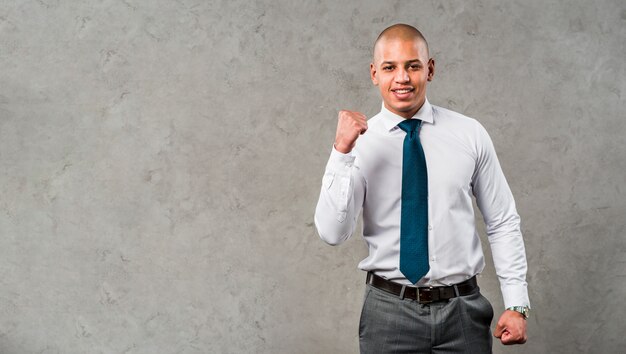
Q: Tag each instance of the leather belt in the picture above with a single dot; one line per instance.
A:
(423, 295)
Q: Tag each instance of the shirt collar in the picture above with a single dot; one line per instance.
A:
(391, 120)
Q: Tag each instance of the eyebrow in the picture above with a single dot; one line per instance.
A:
(408, 61)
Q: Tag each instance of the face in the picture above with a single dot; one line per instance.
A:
(401, 69)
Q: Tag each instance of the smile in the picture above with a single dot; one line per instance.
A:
(407, 90)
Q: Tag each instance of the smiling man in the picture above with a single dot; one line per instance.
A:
(412, 170)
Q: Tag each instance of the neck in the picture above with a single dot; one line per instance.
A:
(407, 114)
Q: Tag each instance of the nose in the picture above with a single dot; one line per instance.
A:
(402, 75)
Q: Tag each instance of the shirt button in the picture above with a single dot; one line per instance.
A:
(430, 227)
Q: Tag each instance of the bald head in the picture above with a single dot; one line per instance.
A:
(401, 68)
(401, 32)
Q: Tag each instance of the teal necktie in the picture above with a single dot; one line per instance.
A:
(414, 214)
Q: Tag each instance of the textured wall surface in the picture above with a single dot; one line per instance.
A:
(160, 162)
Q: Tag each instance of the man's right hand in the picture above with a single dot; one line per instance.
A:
(350, 126)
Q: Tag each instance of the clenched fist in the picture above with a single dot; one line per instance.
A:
(511, 328)
(350, 126)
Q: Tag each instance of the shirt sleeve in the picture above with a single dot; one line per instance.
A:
(496, 203)
(341, 198)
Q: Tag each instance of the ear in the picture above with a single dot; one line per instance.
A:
(373, 74)
(431, 69)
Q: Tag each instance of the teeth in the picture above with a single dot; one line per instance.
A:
(403, 91)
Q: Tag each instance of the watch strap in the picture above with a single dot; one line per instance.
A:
(524, 310)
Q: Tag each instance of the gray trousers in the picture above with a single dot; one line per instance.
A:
(392, 325)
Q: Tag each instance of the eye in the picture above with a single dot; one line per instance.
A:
(388, 67)
(415, 66)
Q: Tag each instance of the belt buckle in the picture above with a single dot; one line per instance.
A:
(424, 301)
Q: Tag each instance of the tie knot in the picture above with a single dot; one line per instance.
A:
(409, 125)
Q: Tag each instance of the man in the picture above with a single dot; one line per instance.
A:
(412, 169)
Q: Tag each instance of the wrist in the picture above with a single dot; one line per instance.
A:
(342, 148)
(522, 310)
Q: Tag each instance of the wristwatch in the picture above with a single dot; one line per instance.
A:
(524, 310)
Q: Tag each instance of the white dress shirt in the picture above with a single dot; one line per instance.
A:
(461, 162)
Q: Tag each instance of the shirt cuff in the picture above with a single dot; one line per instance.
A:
(515, 295)
(341, 157)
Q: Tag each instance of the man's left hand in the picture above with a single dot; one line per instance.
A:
(511, 328)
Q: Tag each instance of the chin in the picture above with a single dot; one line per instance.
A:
(405, 107)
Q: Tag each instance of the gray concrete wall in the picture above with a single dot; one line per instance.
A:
(160, 162)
